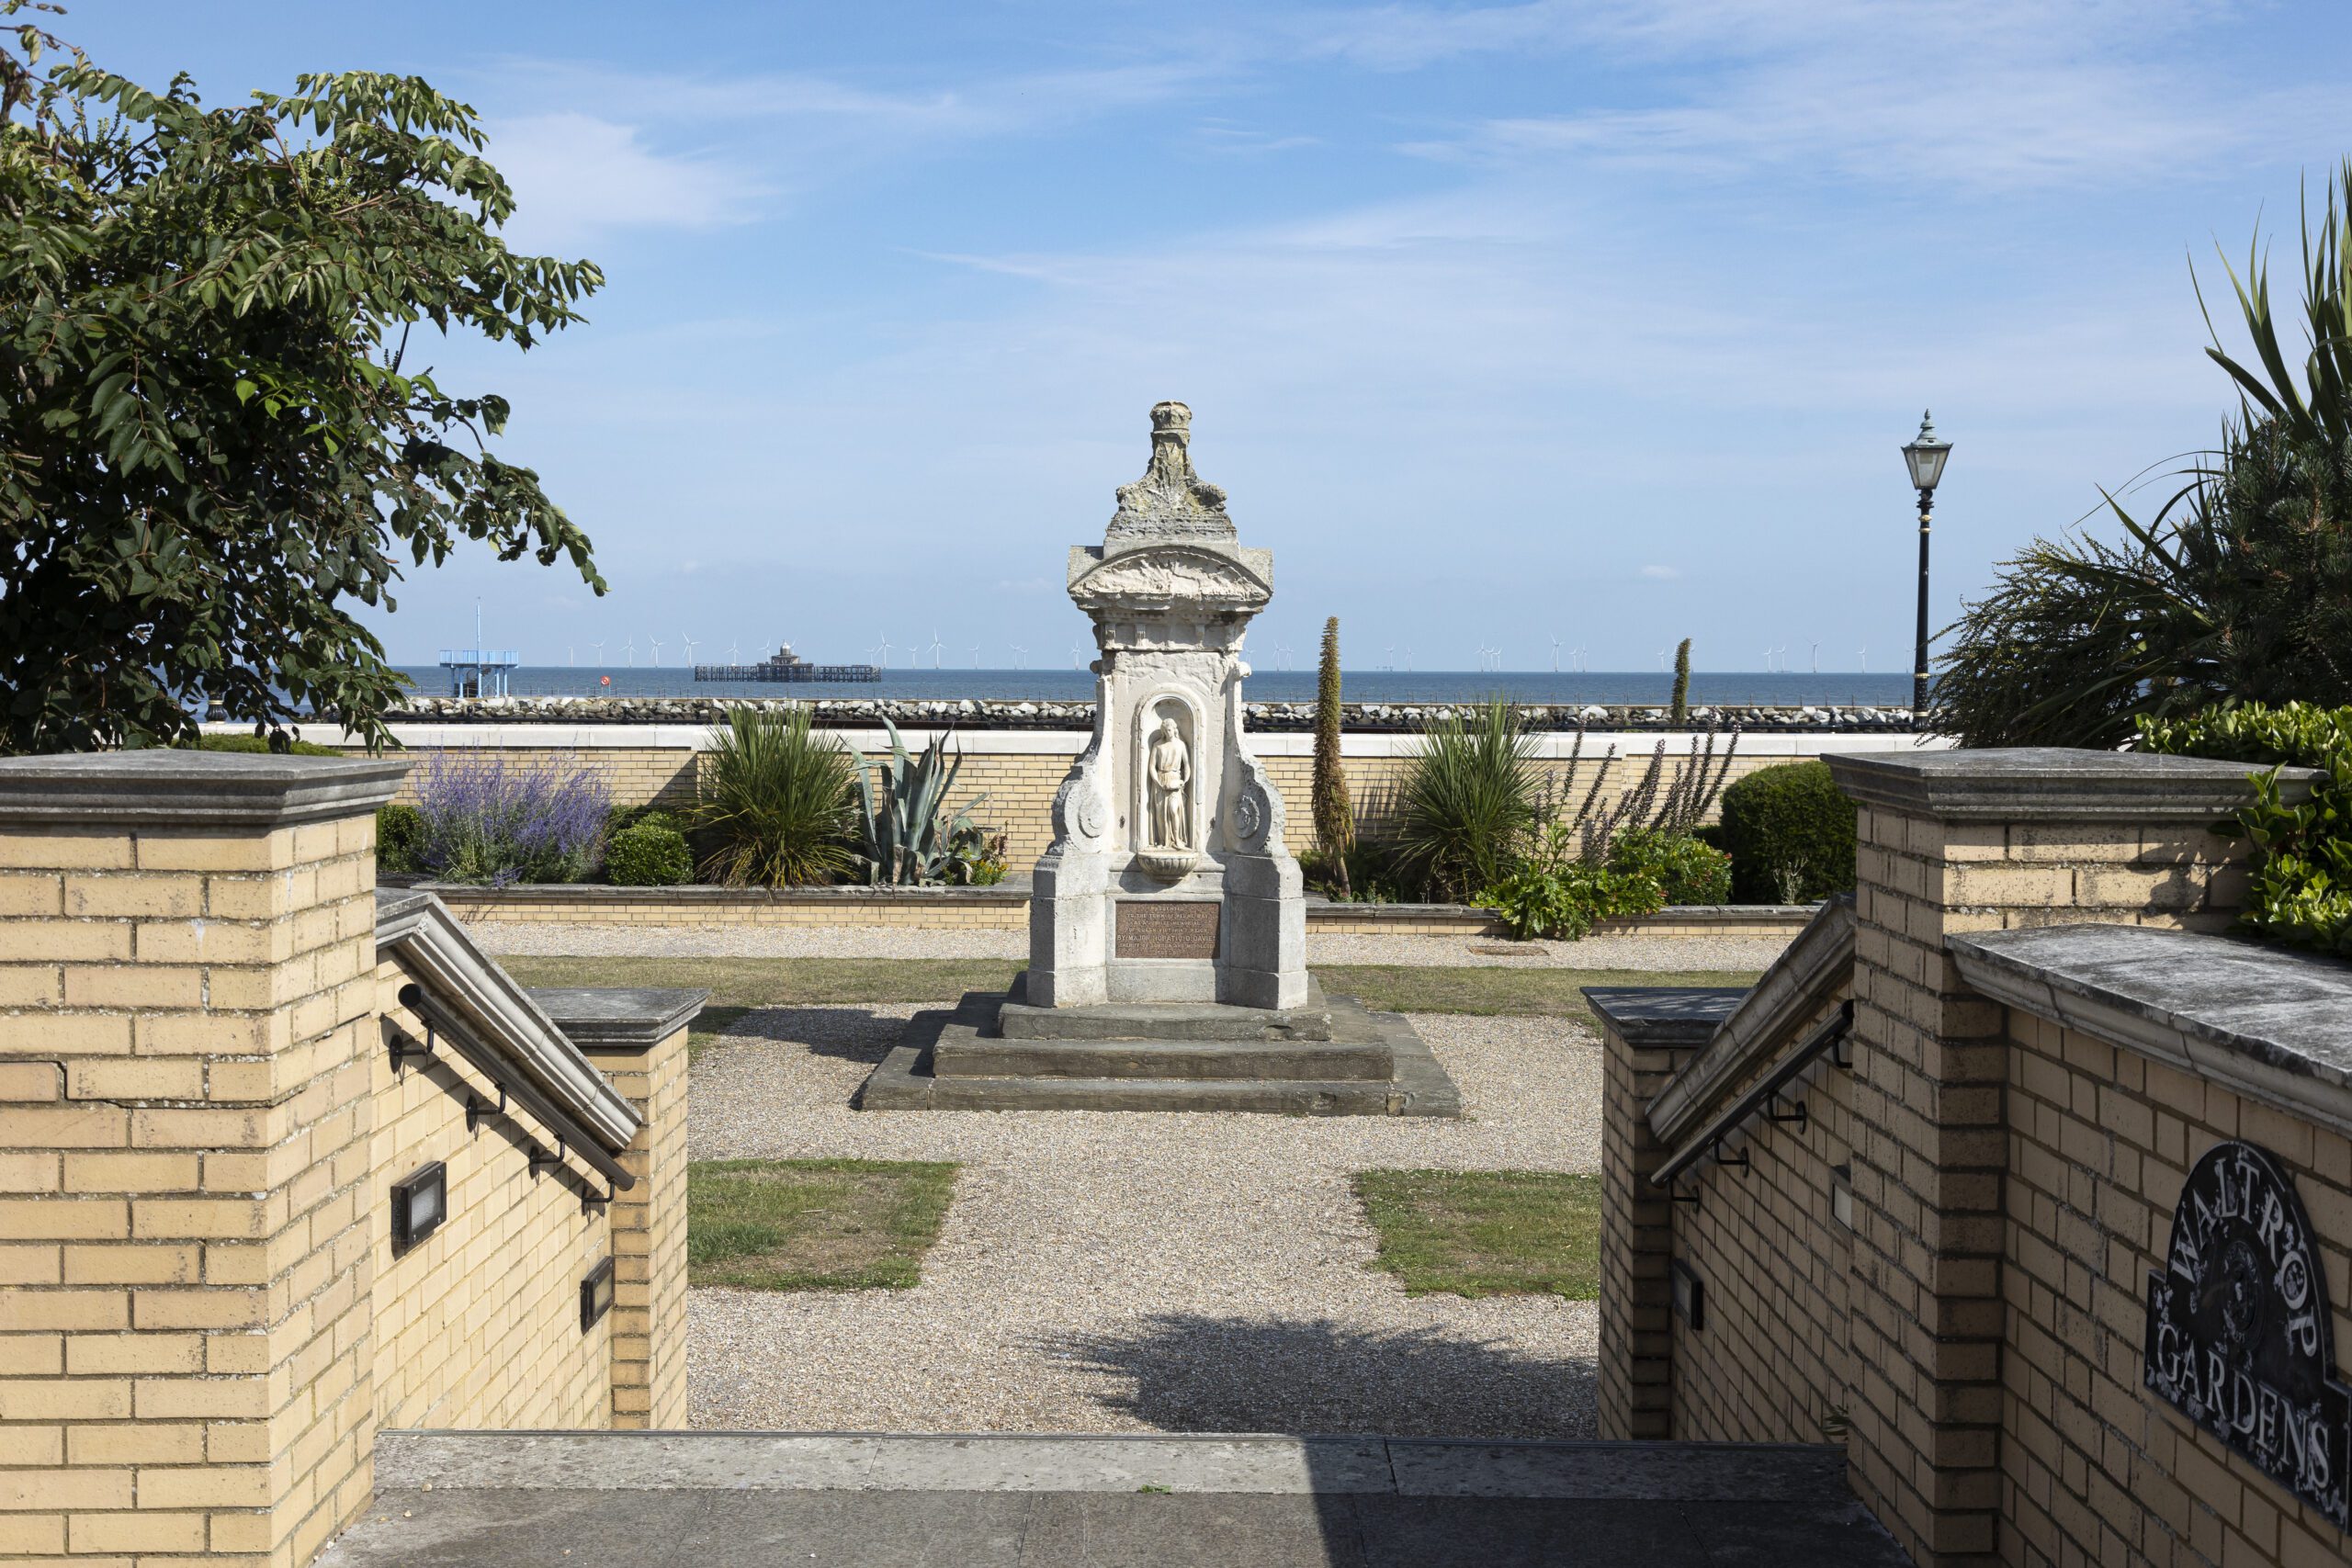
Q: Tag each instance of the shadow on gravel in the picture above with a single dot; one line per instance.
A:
(850, 1033)
(1187, 1372)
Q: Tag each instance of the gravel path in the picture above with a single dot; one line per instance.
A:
(1104, 1273)
(1660, 953)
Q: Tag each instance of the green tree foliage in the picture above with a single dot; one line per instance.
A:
(214, 435)
(1682, 684)
(1789, 833)
(2301, 889)
(2239, 589)
(1335, 815)
(650, 854)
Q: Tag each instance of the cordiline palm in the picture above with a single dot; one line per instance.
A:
(2240, 587)
(777, 802)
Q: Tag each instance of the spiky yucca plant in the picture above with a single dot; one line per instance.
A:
(1467, 802)
(775, 801)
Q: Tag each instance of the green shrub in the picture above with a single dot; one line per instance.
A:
(648, 855)
(777, 802)
(1468, 802)
(1686, 870)
(260, 743)
(623, 818)
(1789, 833)
(400, 838)
(1564, 899)
(2301, 891)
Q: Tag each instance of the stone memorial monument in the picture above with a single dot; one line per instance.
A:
(1167, 919)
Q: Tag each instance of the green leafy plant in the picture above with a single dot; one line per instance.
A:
(777, 802)
(1553, 894)
(1335, 815)
(214, 442)
(2301, 892)
(902, 812)
(400, 841)
(2238, 589)
(1686, 870)
(1789, 833)
(648, 855)
(1467, 801)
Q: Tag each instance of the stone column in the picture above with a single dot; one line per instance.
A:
(1647, 1033)
(188, 977)
(638, 1039)
(1951, 842)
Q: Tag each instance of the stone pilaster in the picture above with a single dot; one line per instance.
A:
(187, 985)
(1647, 1034)
(1953, 842)
(638, 1038)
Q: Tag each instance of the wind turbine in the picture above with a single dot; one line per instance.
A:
(1661, 658)
(1555, 656)
(734, 651)
(1282, 656)
(1391, 651)
(598, 650)
(1816, 659)
(1075, 653)
(976, 655)
(935, 645)
(629, 648)
(883, 648)
(1783, 651)
(690, 649)
(1019, 653)
(656, 650)
(1863, 653)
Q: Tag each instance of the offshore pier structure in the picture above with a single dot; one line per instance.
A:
(788, 667)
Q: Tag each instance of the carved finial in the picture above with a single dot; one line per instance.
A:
(1171, 500)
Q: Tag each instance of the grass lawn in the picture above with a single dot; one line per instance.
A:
(1388, 988)
(1487, 1232)
(813, 1224)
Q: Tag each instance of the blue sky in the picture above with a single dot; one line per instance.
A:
(1596, 320)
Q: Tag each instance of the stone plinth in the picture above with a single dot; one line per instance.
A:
(1167, 879)
(1329, 1057)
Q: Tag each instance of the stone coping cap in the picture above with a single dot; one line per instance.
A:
(2272, 1023)
(1663, 1015)
(2054, 783)
(173, 787)
(619, 1018)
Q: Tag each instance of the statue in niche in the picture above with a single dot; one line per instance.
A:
(1168, 773)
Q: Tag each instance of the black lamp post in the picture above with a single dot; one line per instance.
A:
(1926, 456)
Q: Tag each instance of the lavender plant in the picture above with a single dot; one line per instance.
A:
(490, 819)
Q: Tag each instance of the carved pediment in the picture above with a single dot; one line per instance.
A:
(1169, 575)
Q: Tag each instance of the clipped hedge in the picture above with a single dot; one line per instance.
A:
(399, 839)
(1790, 834)
(2301, 888)
(648, 855)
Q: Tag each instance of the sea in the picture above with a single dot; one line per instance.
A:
(1792, 689)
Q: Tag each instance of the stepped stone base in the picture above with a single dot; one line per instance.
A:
(1330, 1057)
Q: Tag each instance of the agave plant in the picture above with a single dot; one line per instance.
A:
(902, 811)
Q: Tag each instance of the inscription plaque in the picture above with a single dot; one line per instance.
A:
(2239, 1336)
(1167, 928)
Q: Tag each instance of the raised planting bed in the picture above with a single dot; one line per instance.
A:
(1005, 906)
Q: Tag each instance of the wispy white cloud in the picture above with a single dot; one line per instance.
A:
(576, 177)
(1661, 574)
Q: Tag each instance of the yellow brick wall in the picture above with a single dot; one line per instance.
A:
(1636, 1393)
(185, 1353)
(1020, 788)
(1931, 1144)
(649, 1315)
(2095, 1467)
(478, 1325)
(1770, 1365)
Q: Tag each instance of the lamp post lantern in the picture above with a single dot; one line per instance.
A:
(1924, 456)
